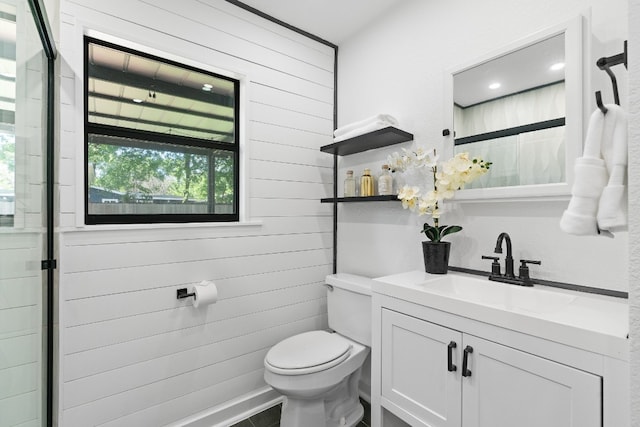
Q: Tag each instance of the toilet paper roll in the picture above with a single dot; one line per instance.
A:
(206, 293)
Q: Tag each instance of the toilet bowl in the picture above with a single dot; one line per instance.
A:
(318, 372)
(325, 393)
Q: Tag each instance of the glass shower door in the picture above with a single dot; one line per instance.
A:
(23, 91)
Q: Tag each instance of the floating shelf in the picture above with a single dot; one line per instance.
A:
(376, 139)
(389, 198)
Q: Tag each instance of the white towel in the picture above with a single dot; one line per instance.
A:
(362, 130)
(598, 204)
(612, 210)
(386, 118)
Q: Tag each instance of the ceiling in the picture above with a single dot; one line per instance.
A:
(332, 20)
(337, 20)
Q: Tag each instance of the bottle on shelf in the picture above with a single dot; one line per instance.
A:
(349, 185)
(385, 182)
(366, 183)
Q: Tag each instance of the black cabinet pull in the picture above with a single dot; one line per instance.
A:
(450, 366)
(465, 360)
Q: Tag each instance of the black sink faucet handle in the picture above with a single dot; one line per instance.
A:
(495, 265)
(524, 270)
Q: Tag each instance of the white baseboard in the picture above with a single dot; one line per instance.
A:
(233, 411)
(243, 407)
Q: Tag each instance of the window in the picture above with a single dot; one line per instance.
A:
(161, 139)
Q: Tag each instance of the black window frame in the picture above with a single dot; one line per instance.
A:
(152, 138)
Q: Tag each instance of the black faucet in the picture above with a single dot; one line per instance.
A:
(509, 276)
(508, 260)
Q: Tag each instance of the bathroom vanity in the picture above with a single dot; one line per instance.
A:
(459, 350)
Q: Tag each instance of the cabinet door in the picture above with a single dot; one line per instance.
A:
(417, 384)
(508, 388)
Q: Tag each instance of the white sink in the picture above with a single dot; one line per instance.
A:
(591, 322)
(500, 295)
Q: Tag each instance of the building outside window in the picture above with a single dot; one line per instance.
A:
(161, 139)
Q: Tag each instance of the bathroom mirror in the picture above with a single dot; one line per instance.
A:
(521, 107)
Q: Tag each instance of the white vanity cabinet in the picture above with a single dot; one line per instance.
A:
(424, 381)
(533, 358)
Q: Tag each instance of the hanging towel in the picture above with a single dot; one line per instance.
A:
(379, 121)
(598, 204)
(612, 209)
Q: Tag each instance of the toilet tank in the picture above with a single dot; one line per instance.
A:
(349, 306)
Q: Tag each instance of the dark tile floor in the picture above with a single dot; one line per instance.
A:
(271, 418)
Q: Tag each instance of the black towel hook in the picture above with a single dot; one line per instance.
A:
(599, 102)
(605, 63)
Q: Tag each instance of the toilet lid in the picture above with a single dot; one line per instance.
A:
(307, 353)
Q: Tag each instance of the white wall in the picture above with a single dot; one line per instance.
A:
(20, 328)
(131, 353)
(399, 66)
(634, 206)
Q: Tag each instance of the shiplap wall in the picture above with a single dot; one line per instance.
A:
(131, 353)
(20, 328)
(21, 308)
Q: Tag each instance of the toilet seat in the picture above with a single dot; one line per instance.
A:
(307, 353)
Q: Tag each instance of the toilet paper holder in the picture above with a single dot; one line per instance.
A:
(183, 293)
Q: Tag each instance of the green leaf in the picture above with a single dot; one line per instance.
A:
(451, 229)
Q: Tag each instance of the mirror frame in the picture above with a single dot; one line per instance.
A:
(574, 92)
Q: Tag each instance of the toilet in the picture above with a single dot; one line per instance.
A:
(318, 371)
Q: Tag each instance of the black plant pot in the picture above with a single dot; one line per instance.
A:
(436, 257)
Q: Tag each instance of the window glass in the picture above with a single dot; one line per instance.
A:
(161, 139)
(7, 114)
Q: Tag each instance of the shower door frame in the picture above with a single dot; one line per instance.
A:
(49, 263)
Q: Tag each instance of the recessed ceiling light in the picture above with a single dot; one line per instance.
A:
(137, 100)
(557, 66)
(495, 85)
(207, 87)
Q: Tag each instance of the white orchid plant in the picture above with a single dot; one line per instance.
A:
(449, 177)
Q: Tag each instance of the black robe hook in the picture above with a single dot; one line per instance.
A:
(599, 103)
(614, 82)
(605, 64)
